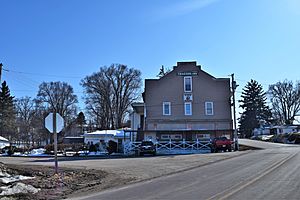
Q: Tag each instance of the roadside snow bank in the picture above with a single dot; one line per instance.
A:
(18, 188)
(7, 178)
(16, 178)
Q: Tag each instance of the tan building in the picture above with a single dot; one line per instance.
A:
(185, 104)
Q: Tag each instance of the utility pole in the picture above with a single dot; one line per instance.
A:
(1, 65)
(233, 87)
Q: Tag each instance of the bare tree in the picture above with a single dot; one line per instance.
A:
(30, 121)
(285, 100)
(110, 92)
(25, 113)
(39, 132)
(58, 96)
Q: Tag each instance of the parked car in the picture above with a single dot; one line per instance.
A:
(255, 137)
(70, 152)
(267, 138)
(147, 147)
(221, 143)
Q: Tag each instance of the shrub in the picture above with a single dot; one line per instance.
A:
(112, 147)
(93, 148)
(61, 147)
(293, 136)
(11, 150)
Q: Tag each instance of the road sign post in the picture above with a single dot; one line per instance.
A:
(54, 123)
(55, 142)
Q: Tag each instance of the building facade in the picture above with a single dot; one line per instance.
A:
(186, 103)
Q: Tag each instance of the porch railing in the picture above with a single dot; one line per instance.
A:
(172, 146)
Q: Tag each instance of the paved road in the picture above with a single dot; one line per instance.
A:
(264, 145)
(138, 168)
(271, 173)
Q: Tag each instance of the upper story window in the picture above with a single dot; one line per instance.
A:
(209, 108)
(166, 108)
(188, 108)
(188, 84)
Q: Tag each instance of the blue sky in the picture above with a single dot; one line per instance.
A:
(66, 40)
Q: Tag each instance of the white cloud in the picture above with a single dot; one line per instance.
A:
(183, 8)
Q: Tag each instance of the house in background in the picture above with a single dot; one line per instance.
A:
(285, 129)
(102, 138)
(276, 130)
(185, 104)
(4, 142)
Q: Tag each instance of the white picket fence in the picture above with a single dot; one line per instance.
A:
(172, 147)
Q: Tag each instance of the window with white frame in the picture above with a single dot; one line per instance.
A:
(166, 108)
(209, 108)
(188, 108)
(202, 136)
(172, 137)
(176, 137)
(165, 137)
(187, 84)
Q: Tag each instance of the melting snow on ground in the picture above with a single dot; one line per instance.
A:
(15, 188)
(18, 188)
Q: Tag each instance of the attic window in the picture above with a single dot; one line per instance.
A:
(188, 84)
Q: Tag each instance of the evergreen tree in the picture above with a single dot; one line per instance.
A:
(81, 121)
(163, 72)
(7, 112)
(254, 107)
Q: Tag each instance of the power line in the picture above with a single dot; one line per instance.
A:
(39, 74)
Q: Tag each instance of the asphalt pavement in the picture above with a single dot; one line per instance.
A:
(270, 173)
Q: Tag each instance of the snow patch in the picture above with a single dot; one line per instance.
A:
(7, 178)
(18, 188)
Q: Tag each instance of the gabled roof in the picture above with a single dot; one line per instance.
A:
(2, 139)
(189, 63)
(108, 133)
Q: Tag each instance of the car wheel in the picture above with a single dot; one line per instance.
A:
(229, 148)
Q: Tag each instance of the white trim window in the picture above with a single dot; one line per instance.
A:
(176, 137)
(209, 108)
(202, 136)
(188, 84)
(188, 108)
(172, 137)
(166, 108)
(165, 137)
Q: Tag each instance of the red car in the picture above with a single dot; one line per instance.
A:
(221, 143)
